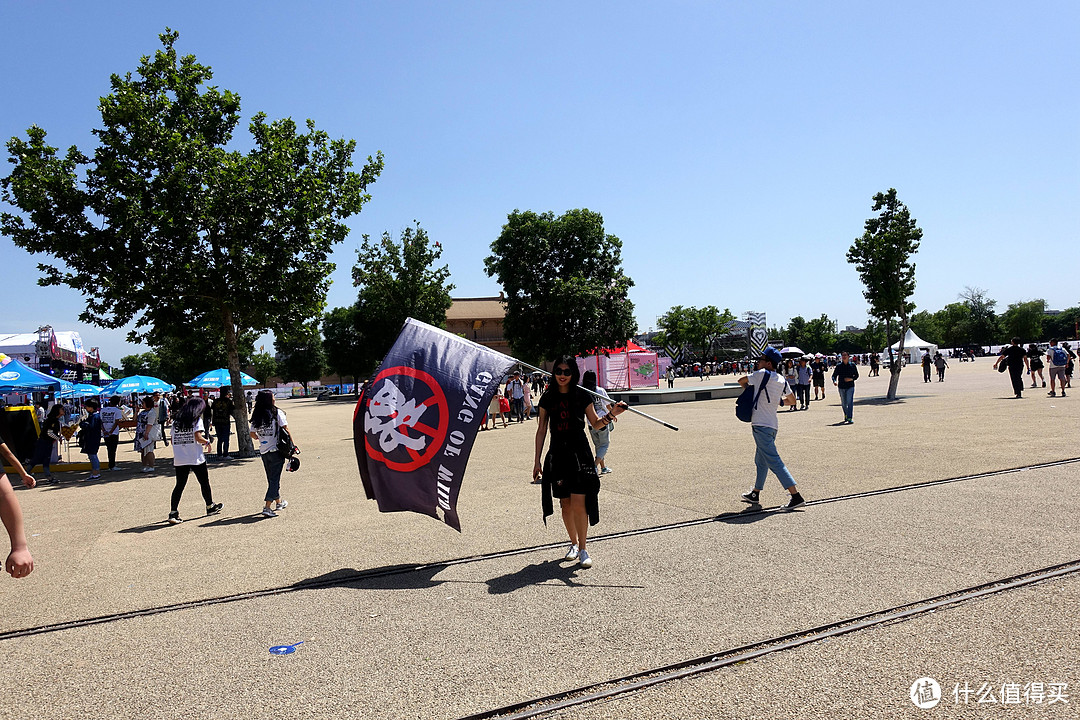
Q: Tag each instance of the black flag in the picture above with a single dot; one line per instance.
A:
(415, 423)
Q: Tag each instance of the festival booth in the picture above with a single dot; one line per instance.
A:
(914, 347)
(20, 420)
(624, 368)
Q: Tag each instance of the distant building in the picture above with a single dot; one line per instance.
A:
(480, 320)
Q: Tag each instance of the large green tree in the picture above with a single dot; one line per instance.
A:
(396, 281)
(818, 335)
(300, 356)
(166, 225)
(564, 284)
(345, 344)
(1024, 320)
(983, 326)
(882, 257)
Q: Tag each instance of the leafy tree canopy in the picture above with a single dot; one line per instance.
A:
(1024, 320)
(564, 284)
(165, 225)
(345, 344)
(396, 281)
(300, 356)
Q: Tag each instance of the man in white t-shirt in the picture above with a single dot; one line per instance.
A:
(111, 415)
(770, 391)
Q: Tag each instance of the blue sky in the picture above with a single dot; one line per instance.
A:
(733, 147)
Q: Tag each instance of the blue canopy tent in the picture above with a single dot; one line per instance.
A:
(135, 384)
(16, 377)
(219, 378)
(80, 390)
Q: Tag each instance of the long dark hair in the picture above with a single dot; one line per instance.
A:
(55, 411)
(262, 414)
(575, 373)
(588, 380)
(190, 411)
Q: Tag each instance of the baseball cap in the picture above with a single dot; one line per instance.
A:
(772, 355)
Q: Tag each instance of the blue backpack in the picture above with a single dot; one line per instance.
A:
(1060, 357)
(748, 399)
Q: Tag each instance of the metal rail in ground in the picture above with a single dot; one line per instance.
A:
(636, 682)
(347, 578)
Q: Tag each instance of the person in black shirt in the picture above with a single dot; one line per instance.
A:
(568, 471)
(1016, 358)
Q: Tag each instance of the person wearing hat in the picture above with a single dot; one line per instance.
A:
(771, 391)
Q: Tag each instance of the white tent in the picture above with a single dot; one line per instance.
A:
(914, 347)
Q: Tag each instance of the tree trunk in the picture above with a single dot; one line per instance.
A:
(245, 447)
(894, 376)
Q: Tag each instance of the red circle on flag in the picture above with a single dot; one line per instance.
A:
(436, 432)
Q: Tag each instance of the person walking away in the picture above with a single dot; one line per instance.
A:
(802, 388)
(670, 375)
(111, 415)
(43, 448)
(926, 363)
(568, 472)
(147, 432)
(817, 369)
(601, 438)
(189, 457)
(770, 392)
(1016, 361)
(875, 364)
(90, 436)
(844, 376)
(19, 562)
(1057, 358)
(222, 414)
(940, 363)
(267, 421)
(1035, 365)
(1068, 365)
(162, 416)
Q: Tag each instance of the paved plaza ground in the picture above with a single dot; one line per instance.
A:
(513, 622)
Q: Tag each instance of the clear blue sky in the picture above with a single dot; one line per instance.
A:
(733, 147)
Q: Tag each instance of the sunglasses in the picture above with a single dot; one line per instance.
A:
(562, 371)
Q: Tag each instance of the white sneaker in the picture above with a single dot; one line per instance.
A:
(267, 512)
(281, 504)
(584, 560)
(572, 553)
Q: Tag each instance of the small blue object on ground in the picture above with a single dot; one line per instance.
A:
(285, 649)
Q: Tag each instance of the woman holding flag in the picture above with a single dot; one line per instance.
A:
(568, 472)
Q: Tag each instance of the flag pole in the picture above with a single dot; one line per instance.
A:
(596, 394)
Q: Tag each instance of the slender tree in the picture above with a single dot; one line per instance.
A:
(882, 257)
(165, 225)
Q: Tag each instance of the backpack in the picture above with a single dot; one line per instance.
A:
(1060, 357)
(748, 399)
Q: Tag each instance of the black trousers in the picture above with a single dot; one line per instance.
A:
(201, 474)
(111, 441)
(1016, 373)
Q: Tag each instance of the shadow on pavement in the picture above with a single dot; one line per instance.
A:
(536, 574)
(389, 577)
(145, 528)
(749, 514)
(241, 520)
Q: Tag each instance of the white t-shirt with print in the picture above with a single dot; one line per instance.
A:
(110, 420)
(185, 450)
(268, 434)
(769, 400)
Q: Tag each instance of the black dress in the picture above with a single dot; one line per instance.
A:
(568, 465)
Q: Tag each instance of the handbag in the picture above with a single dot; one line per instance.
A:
(748, 399)
(1002, 365)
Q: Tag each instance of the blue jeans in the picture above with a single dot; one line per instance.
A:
(273, 463)
(766, 458)
(847, 401)
(95, 464)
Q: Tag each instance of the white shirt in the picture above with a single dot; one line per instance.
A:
(110, 420)
(185, 450)
(769, 400)
(268, 434)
